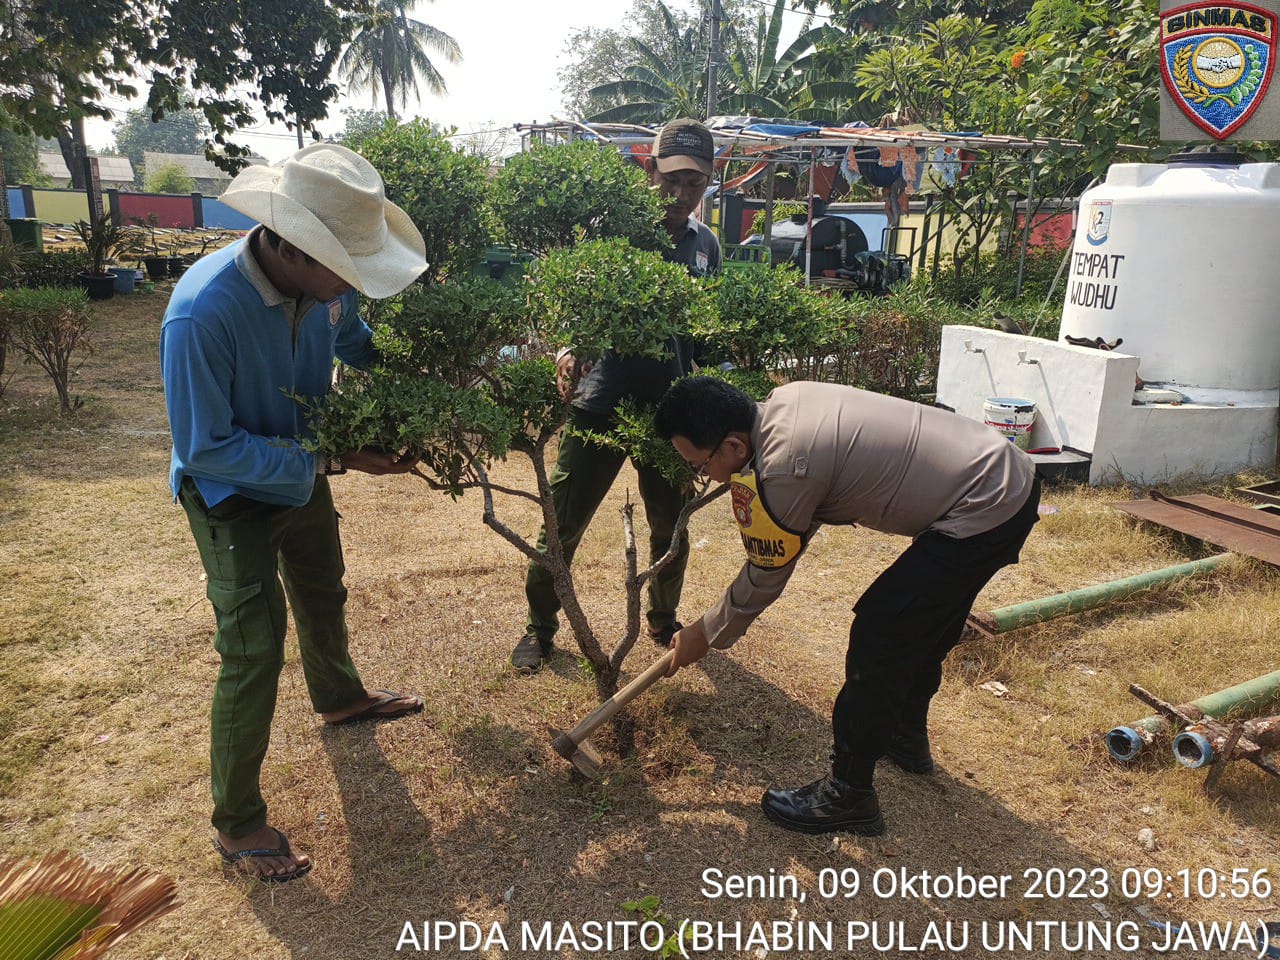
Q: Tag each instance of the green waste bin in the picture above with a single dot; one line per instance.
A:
(27, 233)
(502, 263)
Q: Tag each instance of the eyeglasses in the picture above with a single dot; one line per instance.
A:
(701, 469)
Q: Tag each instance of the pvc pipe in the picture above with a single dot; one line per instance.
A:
(1087, 598)
(1192, 749)
(1126, 742)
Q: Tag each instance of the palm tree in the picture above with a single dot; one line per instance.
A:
(659, 85)
(389, 55)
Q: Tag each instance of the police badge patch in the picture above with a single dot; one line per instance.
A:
(742, 496)
(1216, 60)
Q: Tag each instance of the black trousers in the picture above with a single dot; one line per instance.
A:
(903, 628)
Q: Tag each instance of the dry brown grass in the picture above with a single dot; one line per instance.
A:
(466, 813)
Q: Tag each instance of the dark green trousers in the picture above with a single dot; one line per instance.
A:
(246, 547)
(580, 480)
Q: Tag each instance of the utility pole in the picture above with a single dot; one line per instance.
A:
(713, 57)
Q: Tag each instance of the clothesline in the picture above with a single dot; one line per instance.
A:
(806, 137)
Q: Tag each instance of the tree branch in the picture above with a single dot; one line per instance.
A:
(682, 522)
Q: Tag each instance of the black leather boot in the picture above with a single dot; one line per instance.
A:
(825, 806)
(909, 749)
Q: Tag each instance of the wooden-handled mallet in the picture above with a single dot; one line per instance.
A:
(574, 745)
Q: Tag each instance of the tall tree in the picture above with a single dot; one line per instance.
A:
(183, 131)
(21, 158)
(658, 80)
(390, 54)
(360, 125)
(62, 58)
(903, 16)
(598, 56)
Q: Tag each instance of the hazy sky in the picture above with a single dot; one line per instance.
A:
(511, 51)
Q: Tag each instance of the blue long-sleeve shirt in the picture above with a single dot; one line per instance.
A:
(231, 352)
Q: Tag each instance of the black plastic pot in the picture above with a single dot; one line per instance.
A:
(176, 266)
(157, 267)
(99, 287)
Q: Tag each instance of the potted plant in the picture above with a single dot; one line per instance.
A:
(127, 257)
(101, 238)
(157, 263)
(176, 262)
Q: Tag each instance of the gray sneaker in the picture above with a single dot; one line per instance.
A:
(529, 653)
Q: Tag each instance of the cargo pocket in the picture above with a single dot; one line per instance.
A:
(245, 631)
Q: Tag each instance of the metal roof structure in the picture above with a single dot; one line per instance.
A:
(772, 136)
(194, 166)
(766, 144)
(113, 169)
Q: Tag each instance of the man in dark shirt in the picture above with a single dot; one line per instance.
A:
(681, 169)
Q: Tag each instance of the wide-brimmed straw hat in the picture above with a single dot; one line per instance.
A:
(328, 202)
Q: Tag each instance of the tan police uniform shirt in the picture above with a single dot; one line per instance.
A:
(826, 453)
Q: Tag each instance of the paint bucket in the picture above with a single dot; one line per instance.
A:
(1012, 416)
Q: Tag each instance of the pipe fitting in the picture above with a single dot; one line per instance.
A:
(1125, 743)
(1192, 749)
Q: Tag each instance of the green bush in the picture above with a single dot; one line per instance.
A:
(606, 294)
(454, 330)
(48, 326)
(996, 277)
(891, 344)
(440, 187)
(168, 178)
(782, 210)
(553, 197)
(55, 268)
(766, 318)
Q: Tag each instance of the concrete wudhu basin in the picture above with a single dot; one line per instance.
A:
(1178, 260)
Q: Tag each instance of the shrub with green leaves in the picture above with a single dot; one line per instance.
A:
(782, 210)
(455, 331)
(55, 268)
(767, 319)
(891, 344)
(168, 178)
(554, 196)
(48, 326)
(439, 186)
(606, 294)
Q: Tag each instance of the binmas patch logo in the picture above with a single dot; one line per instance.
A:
(742, 495)
(1216, 60)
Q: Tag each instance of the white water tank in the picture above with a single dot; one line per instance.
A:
(1182, 261)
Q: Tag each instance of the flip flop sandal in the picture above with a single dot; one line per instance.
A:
(372, 711)
(233, 859)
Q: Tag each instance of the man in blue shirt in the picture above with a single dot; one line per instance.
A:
(248, 328)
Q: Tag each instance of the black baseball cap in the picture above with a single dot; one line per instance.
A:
(684, 144)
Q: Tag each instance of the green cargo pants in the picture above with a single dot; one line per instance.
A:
(246, 546)
(581, 479)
